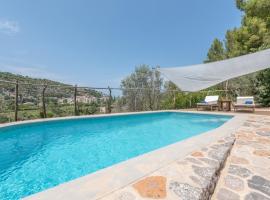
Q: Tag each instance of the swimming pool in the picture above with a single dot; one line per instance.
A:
(37, 156)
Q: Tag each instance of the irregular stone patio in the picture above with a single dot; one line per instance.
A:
(247, 171)
(246, 174)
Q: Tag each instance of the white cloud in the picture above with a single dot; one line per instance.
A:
(9, 27)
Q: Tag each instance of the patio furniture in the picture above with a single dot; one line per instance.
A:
(244, 103)
(209, 102)
(225, 105)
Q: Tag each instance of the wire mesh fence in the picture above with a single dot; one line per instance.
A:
(24, 101)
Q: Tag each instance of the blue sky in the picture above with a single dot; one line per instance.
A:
(99, 42)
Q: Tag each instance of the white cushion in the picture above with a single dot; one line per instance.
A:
(211, 99)
(242, 100)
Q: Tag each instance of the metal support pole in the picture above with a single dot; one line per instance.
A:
(227, 82)
(16, 100)
(75, 101)
(43, 102)
(152, 99)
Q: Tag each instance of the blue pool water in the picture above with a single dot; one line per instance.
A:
(37, 156)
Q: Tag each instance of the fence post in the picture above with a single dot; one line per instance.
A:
(110, 100)
(152, 94)
(16, 100)
(174, 102)
(43, 101)
(75, 101)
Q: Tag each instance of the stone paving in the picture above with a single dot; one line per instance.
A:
(247, 171)
(235, 167)
(195, 177)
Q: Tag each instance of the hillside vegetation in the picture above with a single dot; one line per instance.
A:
(58, 97)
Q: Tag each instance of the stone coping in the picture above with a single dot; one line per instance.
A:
(192, 178)
(113, 178)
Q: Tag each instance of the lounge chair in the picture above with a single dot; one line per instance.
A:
(244, 103)
(209, 102)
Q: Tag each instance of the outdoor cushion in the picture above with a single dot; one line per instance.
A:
(243, 100)
(249, 102)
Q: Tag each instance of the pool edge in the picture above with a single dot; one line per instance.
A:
(110, 179)
(33, 121)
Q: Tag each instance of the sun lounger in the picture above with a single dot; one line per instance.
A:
(209, 102)
(244, 103)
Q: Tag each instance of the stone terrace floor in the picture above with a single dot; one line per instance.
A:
(247, 171)
(236, 167)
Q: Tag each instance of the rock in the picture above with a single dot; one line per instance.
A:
(194, 161)
(185, 191)
(239, 160)
(263, 140)
(211, 162)
(230, 139)
(251, 125)
(217, 146)
(256, 196)
(197, 154)
(224, 194)
(239, 171)
(200, 181)
(262, 153)
(205, 172)
(182, 162)
(125, 196)
(152, 187)
(219, 154)
(260, 183)
(234, 183)
(264, 133)
(244, 136)
(243, 142)
(204, 149)
(247, 124)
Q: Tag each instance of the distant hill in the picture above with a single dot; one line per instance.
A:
(26, 79)
(30, 91)
(58, 98)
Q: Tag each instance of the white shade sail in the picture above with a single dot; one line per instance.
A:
(197, 77)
